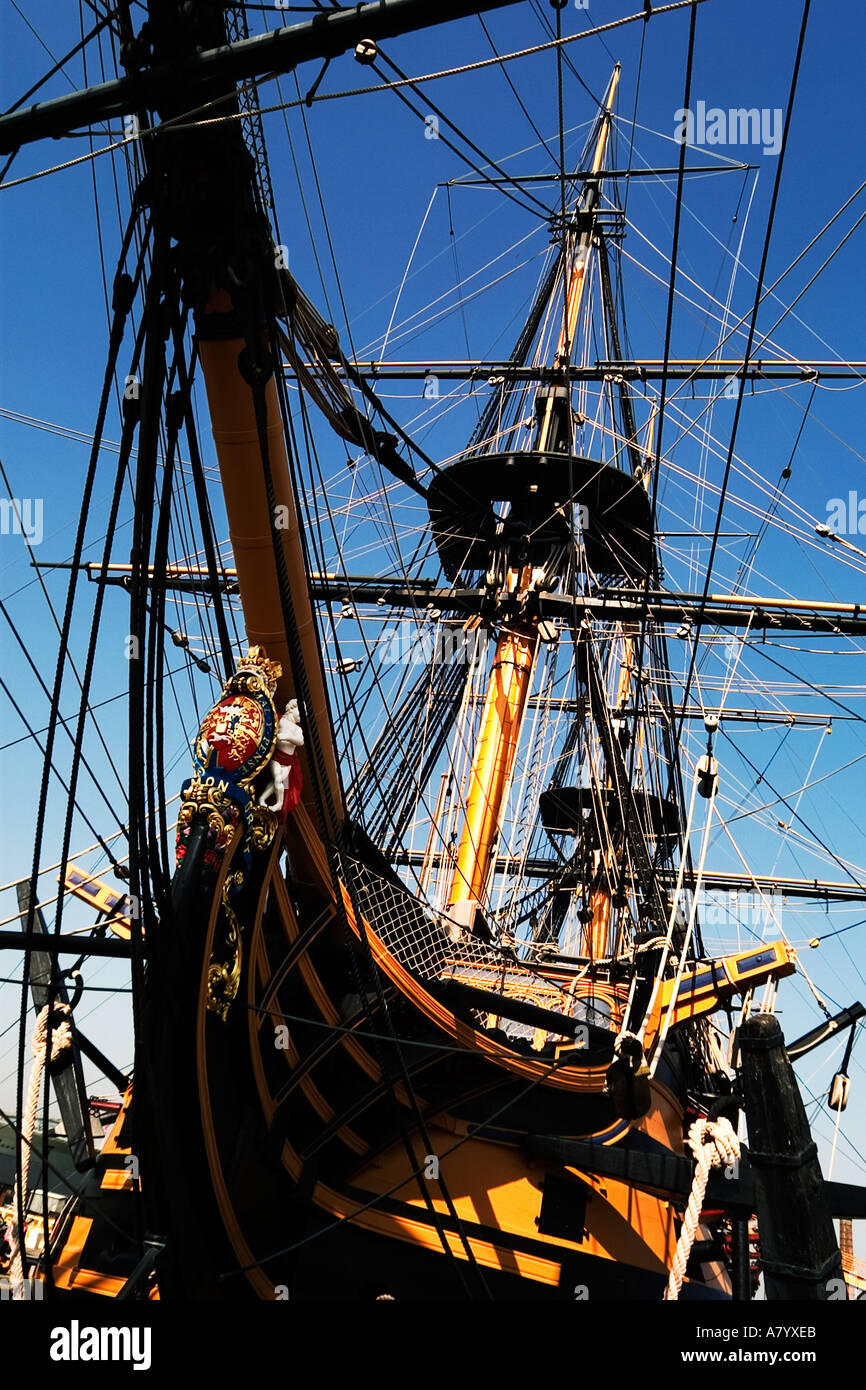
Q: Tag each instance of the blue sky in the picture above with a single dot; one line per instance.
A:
(377, 174)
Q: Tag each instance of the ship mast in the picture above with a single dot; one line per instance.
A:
(495, 754)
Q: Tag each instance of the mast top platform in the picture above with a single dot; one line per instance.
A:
(544, 491)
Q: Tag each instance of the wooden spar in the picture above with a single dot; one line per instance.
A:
(514, 663)
(578, 276)
(327, 35)
(799, 1254)
(493, 761)
(232, 413)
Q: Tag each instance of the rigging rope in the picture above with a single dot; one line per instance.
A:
(759, 296)
(60, 1042)
(698, 879)
(714, 1145)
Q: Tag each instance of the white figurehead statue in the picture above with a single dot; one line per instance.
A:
(282, 789)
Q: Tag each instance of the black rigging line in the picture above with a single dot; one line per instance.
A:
(634, 121)
(7, 166)
(827, 936)
(44, 45)
(129, 426)
(144, 868)
(183, 533)
(64, 722)
(398, 91)
(505, 74)
(129, 160)
(746, 355)
(671, 288)
(675, 774)
(205, 516)
(462, 300)
(521, 347)
(72, 666)
(64, 784)
(100, 704)
(788, 807)
(154, 672)
(57, 66)
(81, 723)
(125, 289)
(748, 559)
(371, 396)
(812, 278)
(546, 24)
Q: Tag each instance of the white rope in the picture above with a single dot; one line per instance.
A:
(61, 1040)
(714, 1145)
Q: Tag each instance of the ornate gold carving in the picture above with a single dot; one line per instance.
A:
(224, 978)
(235, 742)
(263, 825)
(257, 667)
(206, 798)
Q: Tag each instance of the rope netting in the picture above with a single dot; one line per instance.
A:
(432, 947)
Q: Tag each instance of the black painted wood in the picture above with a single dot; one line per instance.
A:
(799, 1252)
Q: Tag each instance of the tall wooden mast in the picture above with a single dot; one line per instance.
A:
(511, 674)
(252, 526)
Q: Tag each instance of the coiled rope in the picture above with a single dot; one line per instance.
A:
(714, 1144)
(61, 1040)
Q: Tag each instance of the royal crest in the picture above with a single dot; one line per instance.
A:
(236, 736)
(236, 742)
(239, 734)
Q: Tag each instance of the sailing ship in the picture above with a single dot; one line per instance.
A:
(423, 1006)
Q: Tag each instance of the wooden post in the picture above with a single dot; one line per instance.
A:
(799, 1254)
(741, 1274)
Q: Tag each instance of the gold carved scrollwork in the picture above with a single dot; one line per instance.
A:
(263, 825)
(224, 977)
(204, 797)
(256, 672)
